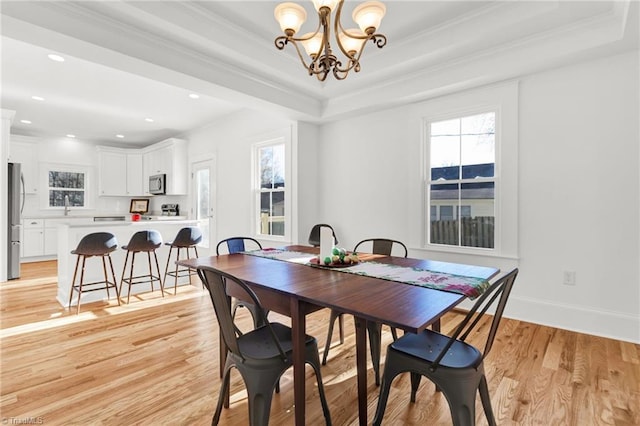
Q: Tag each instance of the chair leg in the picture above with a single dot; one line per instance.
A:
(375, 343)
(461, 395)
(133, 261)
(155, 255)
(106, 277)
(332, 319)
(415, 382)
(341, 328)
(124, 268)
(314, 361)
(486, 401)
(80, 287)
(115, 283)
(175, 280)
(394, 333)
(259, 397)
(150, 270)
(224, 390)
(389, 374)
(73, 282)
(166, 269)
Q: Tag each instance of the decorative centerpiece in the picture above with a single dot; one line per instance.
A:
(340, 258)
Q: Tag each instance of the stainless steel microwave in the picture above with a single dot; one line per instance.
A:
(158, 184)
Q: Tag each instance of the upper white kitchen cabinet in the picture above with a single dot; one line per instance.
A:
(120, 172)
(135, 180)
(26, 153)
(168, 157)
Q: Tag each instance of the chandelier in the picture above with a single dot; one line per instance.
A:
(317, 45)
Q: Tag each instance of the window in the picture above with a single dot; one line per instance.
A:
(462, 156)
(66, 185)
(469, 161)
(271, 194)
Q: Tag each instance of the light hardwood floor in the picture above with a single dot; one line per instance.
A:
(155, 362)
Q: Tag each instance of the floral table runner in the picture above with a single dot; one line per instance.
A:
(469, 286)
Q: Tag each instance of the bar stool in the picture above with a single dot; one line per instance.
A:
(142, 241)
(186, 238)
(99, 244)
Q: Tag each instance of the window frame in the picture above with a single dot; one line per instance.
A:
(258, 190)
(66, 168)
(460, 180)
(503, 100)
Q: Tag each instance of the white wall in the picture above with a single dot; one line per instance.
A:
(229, 141)
(578, 192)
(579, 185)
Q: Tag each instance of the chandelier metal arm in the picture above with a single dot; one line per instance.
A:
(323, 61)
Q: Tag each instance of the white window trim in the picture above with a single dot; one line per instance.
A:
(285, 139)
(72, 168)
(503, 99)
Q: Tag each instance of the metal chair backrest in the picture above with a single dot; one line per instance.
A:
(219, 285)
(499, 290)
(314, 235)
(237, 244)
(187, 237)
(96, 244)
(383, 246)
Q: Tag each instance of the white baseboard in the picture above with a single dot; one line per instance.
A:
(596, 322)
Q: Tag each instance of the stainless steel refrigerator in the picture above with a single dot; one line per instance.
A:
(15, 204)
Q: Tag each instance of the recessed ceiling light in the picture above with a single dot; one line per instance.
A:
(149, 120)
(194, 96)
(25, 121)
(55, 57)
(71, 136)
(120, 136)
(37, 98)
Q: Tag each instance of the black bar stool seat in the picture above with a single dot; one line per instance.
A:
(142, 241)
(98, 244)
(186, 238)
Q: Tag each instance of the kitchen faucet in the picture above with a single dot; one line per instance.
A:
(66, 205)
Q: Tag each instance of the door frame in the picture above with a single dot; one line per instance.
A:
(193, 167)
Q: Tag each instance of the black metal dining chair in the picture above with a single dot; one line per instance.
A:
(238, 245)
(314, 234)
(455, 366)
(383, 246)
(261, 355)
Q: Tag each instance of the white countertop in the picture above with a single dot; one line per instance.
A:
(129, 222)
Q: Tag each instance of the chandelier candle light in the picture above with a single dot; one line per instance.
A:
(351, 42)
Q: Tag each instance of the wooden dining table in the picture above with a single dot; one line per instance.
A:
(296, 290)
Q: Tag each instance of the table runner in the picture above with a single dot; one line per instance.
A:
(469, 286)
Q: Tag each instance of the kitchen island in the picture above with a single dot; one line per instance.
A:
(70, 234)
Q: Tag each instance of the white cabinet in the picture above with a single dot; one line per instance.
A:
(113, 172)
(40, 237)
(26, 153)
(168, 157)
(50, 240)
(134, 174)
(120, 172)
(33, 241)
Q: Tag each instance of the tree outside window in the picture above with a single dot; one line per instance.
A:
(66, 184)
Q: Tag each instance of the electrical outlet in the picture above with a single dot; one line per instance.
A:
(569, 278)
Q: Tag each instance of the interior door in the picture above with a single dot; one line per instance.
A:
(203, 209)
